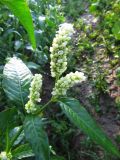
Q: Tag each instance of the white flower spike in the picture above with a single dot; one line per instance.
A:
(34, 96)
(59, 50)
(64, 83)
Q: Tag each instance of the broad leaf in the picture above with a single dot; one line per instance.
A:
(81, 118)
(37, 137)
(16, 81)
(22, 151)
(8, 119)
(21, 10)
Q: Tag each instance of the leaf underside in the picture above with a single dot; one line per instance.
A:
(16, 81)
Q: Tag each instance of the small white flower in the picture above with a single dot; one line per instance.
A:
(64, 83)
(5, 156)
(34, 95)
(60, 60)
(51, 49)
(41, 18)
(59, 49)
(64, 44)
(60, 52)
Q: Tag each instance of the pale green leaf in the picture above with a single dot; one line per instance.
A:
(16, 81)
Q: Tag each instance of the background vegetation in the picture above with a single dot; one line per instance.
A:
(94, 49)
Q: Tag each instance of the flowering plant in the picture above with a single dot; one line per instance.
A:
(24, 90)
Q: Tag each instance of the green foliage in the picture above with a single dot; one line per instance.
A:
(37, 137)
(75, 8)
(46, 15)
(23, 134)
(22, 151)
(16, 82)
(57, 158)
(116, 30)
(117, 100)
(21, 10)
(34, 126)
(109, 15)
(84, 45)
(118, 75)
(99, 31)
(9, 118)
(80, 117)
(100, 83)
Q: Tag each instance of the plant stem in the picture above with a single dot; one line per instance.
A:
(7, 140)
(46, 105)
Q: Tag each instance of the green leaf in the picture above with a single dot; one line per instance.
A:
(116, 30)
(8, 119)
(32, 65)
(93, 7)
(22, 151)
(16, 81)
(81, 118)
(21, 10)
(15, 132)
(37, 137)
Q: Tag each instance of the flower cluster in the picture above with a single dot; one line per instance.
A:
(34, 96)
(64, 83)
(5, 156)
(59, 49)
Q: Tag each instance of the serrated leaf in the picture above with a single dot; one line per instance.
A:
(21, 10)
(22, 151)
(8, 119)
(16, 81)
(81, 118)
(37, 137)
